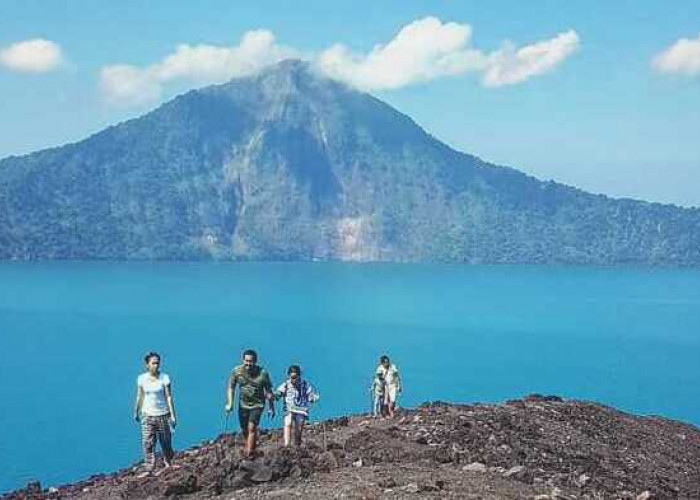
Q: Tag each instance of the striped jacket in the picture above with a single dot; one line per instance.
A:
(297, 397)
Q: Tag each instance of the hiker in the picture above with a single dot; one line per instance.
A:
(392, 381)
(297, 395)
(378, 391)
(155, 410)
(255, 388)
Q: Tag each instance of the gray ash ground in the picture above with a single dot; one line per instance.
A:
(536, 448)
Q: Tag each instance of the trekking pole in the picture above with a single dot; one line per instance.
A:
(224, 426)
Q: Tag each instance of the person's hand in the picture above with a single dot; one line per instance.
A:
(228, 408)
(271, 412)
(173, 421)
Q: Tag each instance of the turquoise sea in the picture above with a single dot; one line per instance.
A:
(72, 337)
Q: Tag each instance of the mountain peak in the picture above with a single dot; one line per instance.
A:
(291, 76)
(289, 164)
(293, 67)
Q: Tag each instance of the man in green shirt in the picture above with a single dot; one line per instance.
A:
(255, 388)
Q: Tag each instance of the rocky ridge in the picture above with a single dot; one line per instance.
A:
(542, 448)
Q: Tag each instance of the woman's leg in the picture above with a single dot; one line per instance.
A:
(288, 429)
(166, 439)
(390, 398)
(299, 421)
(148, 442)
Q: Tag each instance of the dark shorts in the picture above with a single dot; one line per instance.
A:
(246, 416)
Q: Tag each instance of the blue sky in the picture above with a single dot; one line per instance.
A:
(603, 95)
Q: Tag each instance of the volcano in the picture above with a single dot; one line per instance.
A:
(291, 165)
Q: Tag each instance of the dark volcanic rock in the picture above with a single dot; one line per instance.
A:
(182, 486)
(539, 447)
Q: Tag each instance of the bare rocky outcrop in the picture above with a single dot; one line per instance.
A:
(538, 447)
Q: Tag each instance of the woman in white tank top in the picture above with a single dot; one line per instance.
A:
(155, 410)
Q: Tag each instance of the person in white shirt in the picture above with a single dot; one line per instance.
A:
(390, 373)
(155, 410)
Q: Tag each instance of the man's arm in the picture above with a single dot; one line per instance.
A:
(269, 395)
(230, 392)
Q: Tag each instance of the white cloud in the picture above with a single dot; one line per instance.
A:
(32, 56)
(428, 49)
(200, 64)
(511, 65)
(683, 57)
(128, 85)
(423, 50)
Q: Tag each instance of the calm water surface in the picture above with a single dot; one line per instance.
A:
(72, 336)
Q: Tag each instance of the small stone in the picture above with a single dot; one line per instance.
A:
(327, 461)
(411, 488)
(358, 463)
(240, 481)
(542, 497)
(247, 464)
(582, 480)
(263, 474)
(428, 487)
(645, 495)
(386, 482)
(474, 467)
(183, 486)
(517, 471)
(281, 494)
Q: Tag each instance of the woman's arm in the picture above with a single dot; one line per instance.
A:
(138, 404)
(171, 403)
(312, 394)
